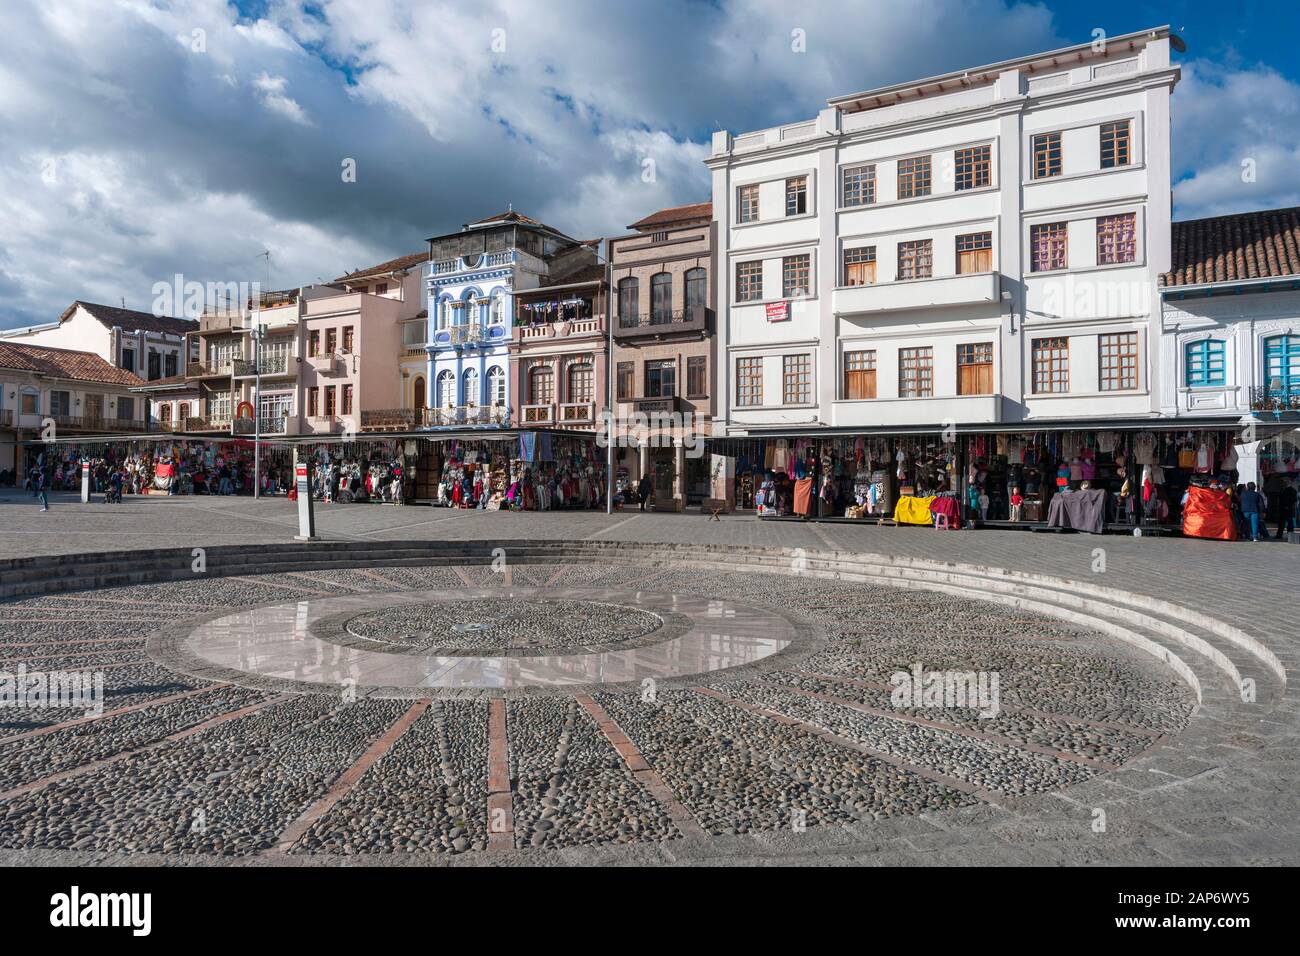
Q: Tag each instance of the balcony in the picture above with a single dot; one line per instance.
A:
(695, 318)
(538, 414)
(652, 404)
(1275, 402)
(210, 369)
(327, 363)
(6, 417)
(390, 419)
(935, 293)
(97, 423)
(204, 423)
(588, 325)
(577, 413)
(465, 415)
(266, 426)
(473, 262)
(277, 364)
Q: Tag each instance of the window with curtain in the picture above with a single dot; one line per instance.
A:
(916, 372)
(1048, 246)
(916, 259)
(1117, 239)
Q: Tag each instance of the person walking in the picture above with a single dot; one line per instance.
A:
(1252, 508)
(41, 485)
(643, 489)
(1286, 505)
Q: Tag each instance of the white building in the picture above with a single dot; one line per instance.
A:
(1231, 323)
(981, 248)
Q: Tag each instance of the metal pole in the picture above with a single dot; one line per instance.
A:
(609, 384)
(257, 412)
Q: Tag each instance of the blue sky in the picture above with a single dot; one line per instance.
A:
(144, 138)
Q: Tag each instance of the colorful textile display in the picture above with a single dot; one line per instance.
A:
(803, 489)
(1208, 514)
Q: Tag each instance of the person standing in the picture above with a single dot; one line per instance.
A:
(41, 489)
(1286, 505)
(1252, 508)
(643, 489)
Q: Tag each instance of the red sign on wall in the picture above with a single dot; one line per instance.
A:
(778, 311)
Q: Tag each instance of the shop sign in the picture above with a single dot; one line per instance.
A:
(778, 311)
(306, 516)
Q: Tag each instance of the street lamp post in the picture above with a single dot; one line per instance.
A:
(257, 411)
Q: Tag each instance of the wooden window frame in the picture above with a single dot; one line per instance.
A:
(791, 270)
(1117, 362)
(749, 382)
(974, 253)
(346, 399)
(697, 376)
(660, 365)
(916, 372)
(859, 375)
(1205, 363)
(1059, 238)
(1116, 144)
(624, 386)
(863, 177)
(1050, 365)
(796, 196)
(747, 203)
(914, 177)
(915, 256)
(973, 167)
(1117, 239)
(749, 278)
(975, 368)
(1046, 157)
(796, 379)
(864, 256)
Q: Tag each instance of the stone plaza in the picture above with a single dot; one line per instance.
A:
(441, 687)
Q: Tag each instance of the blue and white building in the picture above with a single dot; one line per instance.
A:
(473, 277)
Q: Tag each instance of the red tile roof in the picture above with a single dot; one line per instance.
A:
(664, 217)
(400, 264)
(1250, 245)
(129, 320)
(64, 363)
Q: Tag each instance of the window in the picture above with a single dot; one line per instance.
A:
(497, 386)
(1115, 144)
(313, 402)
(916, 372)
(975, 368)
(796, 196)
(1205, 362)
(169, 365)
(313, 342)
(796, 379)
(748, 203)
(858, 185)
(661, 298)
(749, 281)
(697, 288)
(331, 341)
(27, 406)
(1048, 246)
(347, 339)
(659, 236)
(749, 382)
(1117, 238)
(331, 401)
(419, 392)
(1047, 155)
(1051, 365)
(541, 385)
(794, 276)
(582, 383)
(914, 177)
(60, 403)
(626, 372)
(155, 365)
(629, 291)
(381, 288)
(347, 399)
(164, 412)
(661, 378)
(497, 310)
(1282, 364)
(1118, 355)
(219, 406)
(697, 382)
(469, 387)
(860, 266)
(972, 167)
(915, 259)
(125, 409)
(446, 389)
(860, 375)
(128, 359)
(975, 253)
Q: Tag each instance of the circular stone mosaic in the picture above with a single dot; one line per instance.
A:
(496, 626)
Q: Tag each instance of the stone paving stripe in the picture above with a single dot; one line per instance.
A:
(952, 728)
(315, 579)
(932, 775)
(641, 770)
(59, 657)
(155, 702)
(464, 576)
(378, 575)
(81, 600)
(87, 640)
(555, 575)
(109, 761)
(500, 801)
(1009, 708)
(347, 780)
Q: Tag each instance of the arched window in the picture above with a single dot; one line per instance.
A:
(541, 385)
(446, 389)
(582, 383)
(421, 399)
(697, 287)
(1282, 364)
(496, 385)
(497, 314)
(470, 381)
(629, 290)
(661, 298)
(165, 412)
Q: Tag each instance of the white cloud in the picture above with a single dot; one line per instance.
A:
(275, 99)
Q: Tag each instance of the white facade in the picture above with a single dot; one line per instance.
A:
(949, 187)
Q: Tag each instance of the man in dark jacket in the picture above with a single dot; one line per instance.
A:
(1252, 507)
(644, 488)
(1286, 509)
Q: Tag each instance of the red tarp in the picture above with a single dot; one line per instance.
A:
(1208, 514)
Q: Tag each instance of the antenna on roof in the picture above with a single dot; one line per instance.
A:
(124, 302)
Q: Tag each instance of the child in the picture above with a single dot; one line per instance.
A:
(1017, 499)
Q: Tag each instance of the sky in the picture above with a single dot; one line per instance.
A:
(141, 139)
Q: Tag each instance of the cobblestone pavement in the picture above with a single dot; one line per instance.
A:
(1099, 754)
